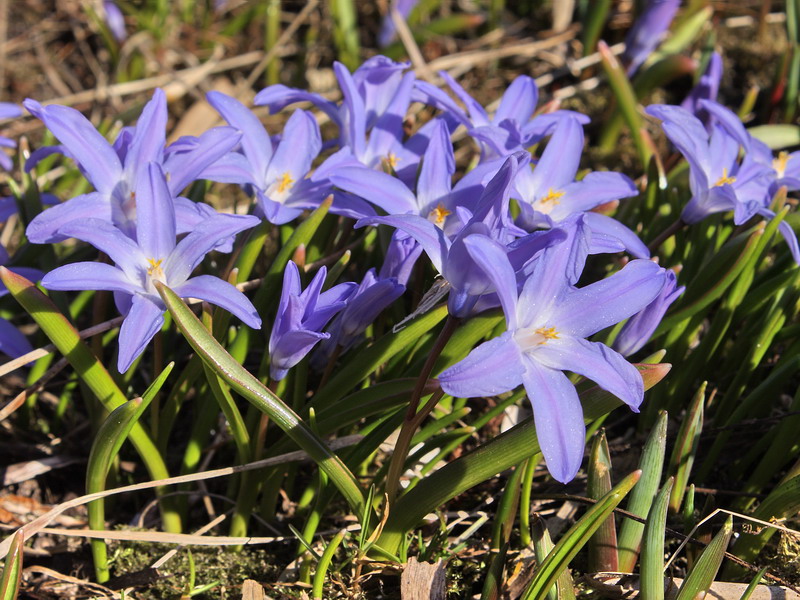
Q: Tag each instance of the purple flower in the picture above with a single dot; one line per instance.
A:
(8, 111)
(375, 99)
(280, 174)
(431, 194)
(12, 342)
(512, 128)
(154, 256)
(115, 20)
(302, 314)
(637, 330)
(401, 255)
(550, 194)
(548, 323)
(114, 171)
(368, 300)
(707, 88)
(719, 181)
(388, 29)
(647, 31)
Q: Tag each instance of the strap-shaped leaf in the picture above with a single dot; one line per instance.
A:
(12, 571)
(577, 536)
(66, 338)
(250, 388)
(651, 464)
(705, 569)
(500, 453)
(652, 561)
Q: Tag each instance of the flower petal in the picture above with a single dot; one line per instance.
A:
(256, 143)
(299, 146)
(155, 214)
(44, 228)
(381, 189)
(89, 276)
(183, 167)
(205, 238)
(492, 259)
(84, 143)
(149, 136)
(12, 342)
(492, 368)
(140, 325)
(558, 416)
(220, 293)
(430, 237)
(602, 224)
(560, 160)
(589, 309)
(518, 101)
(107, 238)
(597, 362)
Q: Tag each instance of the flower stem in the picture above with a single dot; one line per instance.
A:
(662, 237)
(414, 418)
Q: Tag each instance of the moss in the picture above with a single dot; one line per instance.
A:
(212, 563)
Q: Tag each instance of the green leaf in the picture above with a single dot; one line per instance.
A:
(251, 389)
(542, 547)
(652, 561)
(593, 27)
(686, 32)
(603, 545)
(577, 536)
(500, 453)
(682, 459)
(777, 137)
(702, 575)
(626, 100)
(714, 277)
(12, 571)
(91, 371)
(324, 563)
(651, 465)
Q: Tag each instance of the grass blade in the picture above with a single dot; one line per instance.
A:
(651, 465)
(250, 388)
(66, 338)
(652, 561)
(682, 459)
(12, 571)
(577, 536)
(705, 569)
(603, 545)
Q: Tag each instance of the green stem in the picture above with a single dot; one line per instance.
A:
(255, 392)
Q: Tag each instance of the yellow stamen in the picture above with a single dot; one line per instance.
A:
(155, 270)
(439, 214)
(779, 164)
(548, 333)
(285, 183)
(552, 196)
(392, 160)
(725, 179)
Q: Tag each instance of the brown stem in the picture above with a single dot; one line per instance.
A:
(674, 228)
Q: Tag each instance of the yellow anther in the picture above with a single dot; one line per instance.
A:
(779, 164)
(155, 270)
(392, 160)
(439, 214)
(548, 333)
(725, 180)
(285, 183)
(552, 196)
